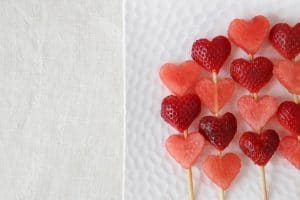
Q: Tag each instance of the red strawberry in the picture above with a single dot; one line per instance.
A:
(219, 131)
(286, 39)
(249, 35)
(259, 147)
(211, 55)
(180, 112)
(288, 115)
(253, 74)
(185, 150)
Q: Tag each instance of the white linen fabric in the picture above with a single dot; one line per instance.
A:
(60, 100)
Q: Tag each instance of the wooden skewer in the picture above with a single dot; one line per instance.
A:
(251, 57)
(263, 181)
(296, 100)
(216, 109)
(216, 103)
(190, 184)
(262, 168)
(189, 176)
(255, 97)
(221, 189)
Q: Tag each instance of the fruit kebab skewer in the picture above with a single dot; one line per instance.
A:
(214, 93)
(286, 40)
(179, 111)
(253, 74)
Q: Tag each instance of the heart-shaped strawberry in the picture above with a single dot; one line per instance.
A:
(257, 112)
(185, 150)
(180, 79)
(286, 39)
(288, 115)
(211, 55)
(205, 88)
(289, 147)
(253, 74)
(288, 74)
(259, 147)
(219, 131)
(222, 170)
(249, 35)
(180, 112)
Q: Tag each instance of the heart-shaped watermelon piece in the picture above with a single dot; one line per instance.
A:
(288, 74)
(185, 150)
(180, 79)
(290, 148)
(222, 170)
(257, 112)
(249, 35)
(205, 88)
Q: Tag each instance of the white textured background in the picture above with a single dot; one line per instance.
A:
(162, 31)
(60, 100)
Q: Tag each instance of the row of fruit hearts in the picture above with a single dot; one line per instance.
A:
(181, 109)
(259, 144)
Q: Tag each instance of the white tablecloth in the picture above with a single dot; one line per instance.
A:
(60, 100)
